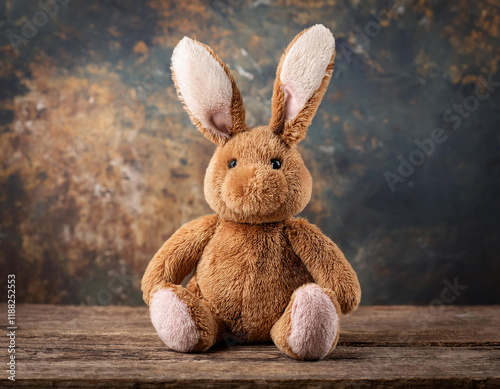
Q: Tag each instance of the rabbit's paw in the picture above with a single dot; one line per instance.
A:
(314, 323)
(309, 327)
(173, 322)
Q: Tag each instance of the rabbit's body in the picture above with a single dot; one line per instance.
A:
(259, 274)
(247, 274)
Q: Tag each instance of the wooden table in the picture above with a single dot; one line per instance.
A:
(383, 346)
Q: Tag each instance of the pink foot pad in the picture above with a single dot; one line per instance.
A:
(314, 322)
(173, 322)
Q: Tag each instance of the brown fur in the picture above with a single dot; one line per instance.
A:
(252, 256)
(288, 189)
(248, 272)
(178, 255)
(325, 262)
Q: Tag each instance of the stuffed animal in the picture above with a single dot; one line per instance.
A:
(259, 273)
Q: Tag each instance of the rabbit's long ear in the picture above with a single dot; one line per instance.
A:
(208, 91)
(303, 75)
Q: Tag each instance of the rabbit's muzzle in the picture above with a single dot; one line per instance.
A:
(254, 190)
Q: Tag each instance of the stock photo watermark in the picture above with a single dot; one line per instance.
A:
(12, 326)
(47, 9)
(150, 82)
(422, 317)
(371, 29)
(117, 283)
(450, 292)
(231, 340)
(456, 115)
(223, 7)
(420, 320)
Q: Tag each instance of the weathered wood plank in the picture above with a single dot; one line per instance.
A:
(124, 365)
(70, 346)
(375, 326)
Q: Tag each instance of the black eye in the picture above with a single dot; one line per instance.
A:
(276, 164)
(232, 163)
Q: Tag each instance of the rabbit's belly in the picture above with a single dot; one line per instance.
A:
(250, 287)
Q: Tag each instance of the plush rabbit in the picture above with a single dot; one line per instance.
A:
(259, 273)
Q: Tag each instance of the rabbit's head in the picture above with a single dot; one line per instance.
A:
(256, 174)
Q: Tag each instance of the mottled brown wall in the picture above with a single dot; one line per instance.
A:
(100, 164)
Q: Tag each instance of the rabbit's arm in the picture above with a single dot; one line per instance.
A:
(326, 263)
(178, 256)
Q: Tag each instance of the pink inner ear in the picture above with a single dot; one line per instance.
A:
(292, 105)
(221, 122)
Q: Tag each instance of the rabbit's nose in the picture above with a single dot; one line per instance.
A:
(247, 180)
(254, 190)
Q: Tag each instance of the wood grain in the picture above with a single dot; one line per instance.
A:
(397, 346)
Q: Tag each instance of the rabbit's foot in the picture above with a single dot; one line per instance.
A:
(309, 328)
(182, 320)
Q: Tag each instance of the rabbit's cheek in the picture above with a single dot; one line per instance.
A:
(254, 192)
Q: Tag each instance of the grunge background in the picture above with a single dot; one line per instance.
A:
(100, 164)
